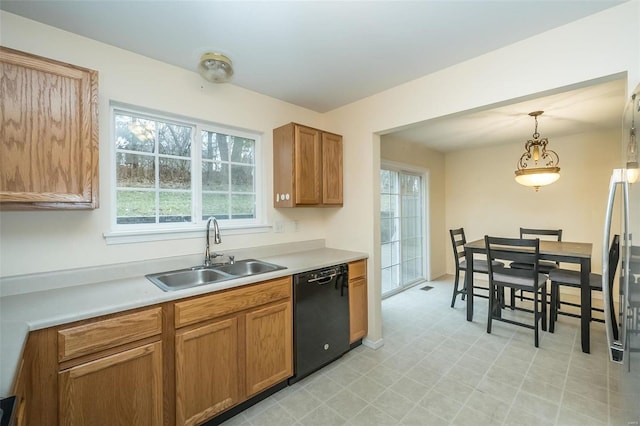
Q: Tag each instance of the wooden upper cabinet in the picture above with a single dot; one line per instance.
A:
(331, 169)
(307, 167)
(48, 133)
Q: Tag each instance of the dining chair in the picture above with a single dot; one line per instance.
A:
(570, 278)
(529, 280)
(458, 240)
(544, 266)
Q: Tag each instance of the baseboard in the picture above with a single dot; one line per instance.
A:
(373, 344)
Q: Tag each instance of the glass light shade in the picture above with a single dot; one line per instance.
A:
(538, 177)
(215, 67)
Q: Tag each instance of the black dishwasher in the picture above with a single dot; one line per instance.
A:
(321, 318)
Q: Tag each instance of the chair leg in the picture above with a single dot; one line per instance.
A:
(544, 306)
(553, 315)
(455, 288)
(512, 298)
(490, 315)
(536, 318)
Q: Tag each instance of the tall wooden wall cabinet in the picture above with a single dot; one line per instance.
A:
(48, 133)
(307, 167)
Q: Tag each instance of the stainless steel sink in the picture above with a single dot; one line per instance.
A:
(187, 278)
(196, 276)
(243, 268)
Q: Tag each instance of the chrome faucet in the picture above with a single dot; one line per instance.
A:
(216, 240)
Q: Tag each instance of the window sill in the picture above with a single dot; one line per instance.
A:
(141, 236)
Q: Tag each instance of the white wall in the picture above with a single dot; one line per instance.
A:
(601, 45)
(52, 240)
(484, 198)
(399, 151)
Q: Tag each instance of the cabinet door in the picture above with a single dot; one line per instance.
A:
(308, 167)
(207, 380)
(122, 389)
(49, 143)
(358, 313)
(331, 169)
(269, 346)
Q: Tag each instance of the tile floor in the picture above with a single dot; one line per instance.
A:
(435, 368)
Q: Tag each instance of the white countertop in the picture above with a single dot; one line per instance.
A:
(21, 313)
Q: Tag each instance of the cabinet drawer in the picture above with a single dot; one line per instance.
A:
(230, 301)
(104, 334)
(357, 269)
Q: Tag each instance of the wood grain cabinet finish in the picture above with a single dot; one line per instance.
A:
(358, 313)
(96, 336)
(48, 133)
(230, 345)
(121, 389)
(307, 167)
(178, 363)
(207, 374)
(269, 339)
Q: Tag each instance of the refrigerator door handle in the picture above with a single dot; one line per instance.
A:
(616, 343)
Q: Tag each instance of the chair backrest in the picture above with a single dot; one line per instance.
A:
(458, 240)
(512, 250)
(537, 233)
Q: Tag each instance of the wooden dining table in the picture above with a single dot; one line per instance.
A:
(557, 251)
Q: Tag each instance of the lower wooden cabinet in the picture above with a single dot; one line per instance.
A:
(207, 380)
(231, 345)
(269, 350)
(120, 389)
(358, 312)
(178, 363)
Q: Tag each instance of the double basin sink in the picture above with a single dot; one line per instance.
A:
(201, 275)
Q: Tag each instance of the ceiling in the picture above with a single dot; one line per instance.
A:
(325, 54)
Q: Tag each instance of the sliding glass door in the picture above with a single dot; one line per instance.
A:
(402, 238)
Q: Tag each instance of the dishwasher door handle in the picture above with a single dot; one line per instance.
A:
(323, 280)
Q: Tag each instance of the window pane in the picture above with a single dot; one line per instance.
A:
(175, 174)
(386, 230)
(135, 134)
(215, 176)
(243, 206)
(242, 150)
(136, 207)
(215, 205)
(215, 146)
(386, 255)
(175, 206)
(174, 139)
(158, 155)
(135, 171)
(242, 178)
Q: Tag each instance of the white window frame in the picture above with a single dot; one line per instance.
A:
(131, 233)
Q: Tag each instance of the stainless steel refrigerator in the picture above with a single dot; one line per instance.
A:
(622, 302)
(623, 316)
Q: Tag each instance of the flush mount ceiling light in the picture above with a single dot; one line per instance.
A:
(538, 166)
(215, 67)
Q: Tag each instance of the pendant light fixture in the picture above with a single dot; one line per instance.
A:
(538, 166)
(215, 67)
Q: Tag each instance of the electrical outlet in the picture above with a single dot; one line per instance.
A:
(278, 226)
